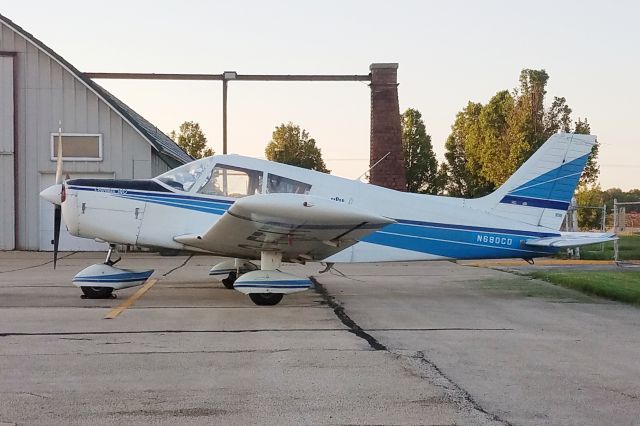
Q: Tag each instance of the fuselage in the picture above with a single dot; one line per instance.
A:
(190, 199)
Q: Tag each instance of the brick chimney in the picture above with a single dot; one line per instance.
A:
(386, 133)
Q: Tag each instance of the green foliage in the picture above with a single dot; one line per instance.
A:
(623, 286)
(488, 143)
(591, 170)
(291, 145)
(463, 178)
(589, 195)
(420, 161)
(618, 194)
(191, 138)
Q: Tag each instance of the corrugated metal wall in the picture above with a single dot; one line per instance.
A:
(7, 214)
(47, 93)
(158, 166)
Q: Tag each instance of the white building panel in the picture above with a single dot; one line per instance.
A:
(48, 90)
(7, 208)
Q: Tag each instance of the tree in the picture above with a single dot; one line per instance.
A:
(618, 194)
(591, 170)
(291, 145)
(488, 143)
(420, 161)
(590, 196)
(191, 138)
(463, 178)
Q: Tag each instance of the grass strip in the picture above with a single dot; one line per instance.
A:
(622, 286)
(629, 247)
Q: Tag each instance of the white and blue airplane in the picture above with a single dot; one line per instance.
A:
(250, 209)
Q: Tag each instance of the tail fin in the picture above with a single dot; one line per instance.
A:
(540, 191)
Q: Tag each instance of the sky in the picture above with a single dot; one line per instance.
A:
(449, 53)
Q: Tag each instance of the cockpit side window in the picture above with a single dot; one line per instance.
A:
(279, 184)
(231, 181)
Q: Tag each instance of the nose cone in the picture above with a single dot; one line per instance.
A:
(53, 194)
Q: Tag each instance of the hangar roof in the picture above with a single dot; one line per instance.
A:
(161, 142)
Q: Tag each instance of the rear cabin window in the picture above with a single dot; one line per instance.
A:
(233, 182)
(279, 184)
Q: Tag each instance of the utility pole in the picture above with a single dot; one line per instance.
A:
(226, 76)
(615, 228)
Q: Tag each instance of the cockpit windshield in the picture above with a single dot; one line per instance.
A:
(185, 176)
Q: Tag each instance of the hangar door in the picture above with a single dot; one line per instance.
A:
(67, 241)
(7, 200)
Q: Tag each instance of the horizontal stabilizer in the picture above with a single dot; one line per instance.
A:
(572, 239)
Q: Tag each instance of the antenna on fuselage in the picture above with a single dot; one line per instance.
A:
(371, 168)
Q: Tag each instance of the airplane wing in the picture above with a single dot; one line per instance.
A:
(300, 226)
(572, 239)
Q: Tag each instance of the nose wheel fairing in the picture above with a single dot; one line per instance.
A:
(103, 275)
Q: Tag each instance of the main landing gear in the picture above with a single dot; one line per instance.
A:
(232, 268)
(265, 287)
(266, 299)
(228, 282)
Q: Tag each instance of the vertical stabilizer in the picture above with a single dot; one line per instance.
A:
(540, 191)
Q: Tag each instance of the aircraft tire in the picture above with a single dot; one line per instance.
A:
(266, 299)
(97, 292)
(228, 282)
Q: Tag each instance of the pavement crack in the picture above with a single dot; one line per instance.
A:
(99, 333)
(345, 318)
(456, 392)
(433, 373)
(179, 266)
(35, 394)
(621, 393)
(441, 329)
(194, 352)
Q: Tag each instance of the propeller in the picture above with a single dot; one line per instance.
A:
(57, 208)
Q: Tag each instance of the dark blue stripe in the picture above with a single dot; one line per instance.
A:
(140, 184)
(269, 286)
(458, 242)
(177, 203)
(535, 202)
(106, 280)
(476, 228)
(306, 282)
(122, 275)
(177, 199)
(441, 239)
(118, 191)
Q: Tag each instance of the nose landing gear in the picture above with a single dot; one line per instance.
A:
(99, 280)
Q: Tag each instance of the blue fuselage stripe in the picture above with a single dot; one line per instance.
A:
(441, 239)
(106, 280)
(269, 286)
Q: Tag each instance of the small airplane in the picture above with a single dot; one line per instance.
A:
(249, 209)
